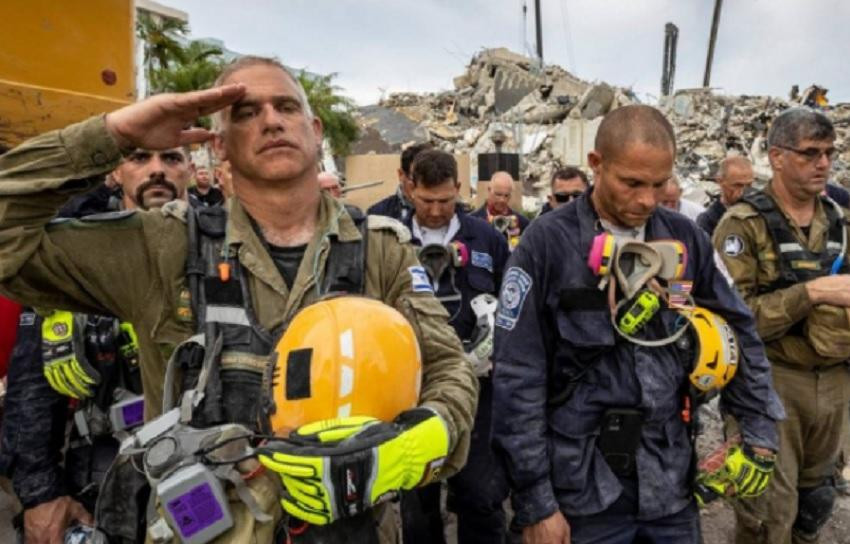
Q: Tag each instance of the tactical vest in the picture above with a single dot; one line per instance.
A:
(798, 264)
(238, 384)
(111, 348)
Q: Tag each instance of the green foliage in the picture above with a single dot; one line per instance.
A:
(199, 66)
(160, 37)
(335, 111)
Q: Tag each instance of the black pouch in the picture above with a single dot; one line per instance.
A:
(619, 438)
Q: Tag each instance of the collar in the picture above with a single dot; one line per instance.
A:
(333, 221)
(454, 227)
(656, 226)
(403, 199)
(819, 224)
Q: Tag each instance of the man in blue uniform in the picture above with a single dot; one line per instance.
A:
(398, 205)
(563, 375)
(464, 258)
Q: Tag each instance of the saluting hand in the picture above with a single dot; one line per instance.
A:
(162, 121)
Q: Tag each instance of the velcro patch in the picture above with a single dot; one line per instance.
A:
(27, 319)
(733, 245)
(419, 281)
(515, 288)
(482, 260)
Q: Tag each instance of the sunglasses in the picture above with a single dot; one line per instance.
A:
(566, 197)
(812, 154)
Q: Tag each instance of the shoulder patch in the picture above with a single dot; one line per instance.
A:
(108, 216)
(733, 245)
(419, 281)
(515, 288)
(382, 222)
(176, 208)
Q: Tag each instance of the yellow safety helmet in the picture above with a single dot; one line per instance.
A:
(716, 347)
(345, 356)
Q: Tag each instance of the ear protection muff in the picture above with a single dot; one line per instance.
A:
(602, 253)
(459, 253)
(674, 258)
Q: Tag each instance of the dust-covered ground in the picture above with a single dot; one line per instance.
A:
(718, 519)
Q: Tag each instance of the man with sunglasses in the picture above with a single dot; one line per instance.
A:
(786, 249)
(567, 185)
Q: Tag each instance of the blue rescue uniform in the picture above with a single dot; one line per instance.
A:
(554, 328)
(395, 206)
(479, 489)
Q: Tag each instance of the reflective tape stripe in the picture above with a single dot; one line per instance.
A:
(833, 245)
(790, 247)
(228, 314)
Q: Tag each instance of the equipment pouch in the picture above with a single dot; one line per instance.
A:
(619, 438)
(828, 331)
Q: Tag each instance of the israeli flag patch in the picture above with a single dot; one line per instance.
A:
(419, 281)
(482, 260)
(515, 288)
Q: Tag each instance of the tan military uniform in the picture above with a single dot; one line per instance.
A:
(814, 388)
(132, 265)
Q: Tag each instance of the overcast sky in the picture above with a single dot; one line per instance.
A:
(377, 46)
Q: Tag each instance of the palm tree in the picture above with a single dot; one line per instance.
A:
(161, 44)
(335, 111)
(197, 68)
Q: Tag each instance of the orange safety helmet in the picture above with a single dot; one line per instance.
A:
(345, 356)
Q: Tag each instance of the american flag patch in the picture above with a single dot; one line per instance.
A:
(679, 293)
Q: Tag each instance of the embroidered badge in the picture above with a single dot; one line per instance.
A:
(678, 293)
(733, 245)
(515, 288)
(419, 281)
(482, 260)
(27, 319)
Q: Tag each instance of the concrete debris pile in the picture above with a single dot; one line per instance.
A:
(502, 92)
(711, 126)
(550, 118)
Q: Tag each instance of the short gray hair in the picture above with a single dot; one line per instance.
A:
(251, 60)
(797, 124)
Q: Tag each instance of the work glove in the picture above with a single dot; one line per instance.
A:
(65, 372)
(744, 474)
(128, 342)
(340, 468)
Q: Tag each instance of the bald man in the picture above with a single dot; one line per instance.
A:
(498, 212)
(589, 423)
(734, 176)
(329, 183)
(671, 197)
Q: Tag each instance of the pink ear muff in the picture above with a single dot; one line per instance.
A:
(460, 254)
(601, 255)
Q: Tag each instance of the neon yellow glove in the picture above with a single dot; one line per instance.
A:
(342, 467)
(68, 374)
(128, 342)
(744, 474)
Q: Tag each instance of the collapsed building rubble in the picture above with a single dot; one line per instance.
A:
(550, 118)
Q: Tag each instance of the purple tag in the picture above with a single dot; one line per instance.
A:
(195, 510)
(134, 413)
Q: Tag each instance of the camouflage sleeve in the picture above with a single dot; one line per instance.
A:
(743, 244)
(449, 385)
(69, 264)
